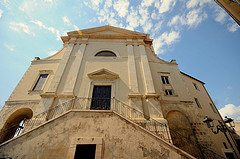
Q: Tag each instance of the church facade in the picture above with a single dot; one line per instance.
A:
(106, 94)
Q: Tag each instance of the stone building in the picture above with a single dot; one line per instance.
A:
(106, 94)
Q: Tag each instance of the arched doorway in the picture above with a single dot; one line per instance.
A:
(15, 124)
(182, 134)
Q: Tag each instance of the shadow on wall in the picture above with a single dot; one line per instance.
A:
(182, 133)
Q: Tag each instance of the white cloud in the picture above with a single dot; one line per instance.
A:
(66, 21)
(195, 17)
(51, 29)
(11, 48)
(6, 3)
(108, 3)
(145, 20)
(164, 5)
(192, 3)
(195, 3)
(230, 110)
(221, 15)
(233, 27)
(147, 3)
(132, 19)
(49, 1)
(164, 40)
(32, 6)
(52, 52)
(121, 6)
(93, 20)
(108, 16)
(155, 15)
(94, 4)
(156, 28)
(1, 12)
(144, 15)
(177, 20)
(147, 26)
(21, 27)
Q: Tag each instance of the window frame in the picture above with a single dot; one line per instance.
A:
(213, 108)
(195, 86)
(38, 80)
(74, 141)
(198, 103)
(169, 90)
(163, 78)
(49, 72)
(99, 52)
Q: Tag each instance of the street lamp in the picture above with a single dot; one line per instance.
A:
(221, 127)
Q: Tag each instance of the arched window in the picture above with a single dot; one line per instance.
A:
(15, 124)
(105, 53)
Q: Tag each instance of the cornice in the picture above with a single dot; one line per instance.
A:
(45, 60)
(135, 95)
(14, 102)
(106, 36)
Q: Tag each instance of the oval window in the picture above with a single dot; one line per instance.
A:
(105, 53)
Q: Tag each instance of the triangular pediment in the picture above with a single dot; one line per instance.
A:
(107, 30)
(103, 74)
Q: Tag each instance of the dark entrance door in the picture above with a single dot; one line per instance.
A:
(101, 98)
(85, 152)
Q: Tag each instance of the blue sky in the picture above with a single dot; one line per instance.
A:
(199, 34)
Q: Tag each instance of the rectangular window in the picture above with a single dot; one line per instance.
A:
(197, 102)
(195, 85)
(169, 92)
(40, 82)
(213, 108)
(165, 80)
(85, 151)
(225, 145)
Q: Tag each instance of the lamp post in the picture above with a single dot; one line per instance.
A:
(221, 127)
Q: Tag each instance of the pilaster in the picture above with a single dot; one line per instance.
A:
(61, 67)
(133, 82)
(148, 80)
(69, 87)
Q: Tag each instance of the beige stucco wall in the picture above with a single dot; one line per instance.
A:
(215, 141)
(120, 139)
(237, 128)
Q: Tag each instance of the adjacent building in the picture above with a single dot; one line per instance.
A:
(232, 7)
(106, 94)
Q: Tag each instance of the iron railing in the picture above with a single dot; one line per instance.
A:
(160, 129)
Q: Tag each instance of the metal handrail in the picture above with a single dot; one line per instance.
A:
(82, 103)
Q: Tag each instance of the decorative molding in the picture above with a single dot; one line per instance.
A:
(45, 60)
(66, 95)
(13, 102)
(164, 72)
(103, 74)
(135, 95)
(129, 43)
(48, 95)
(151, 96)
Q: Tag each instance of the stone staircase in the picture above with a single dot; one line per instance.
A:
(84, 104)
